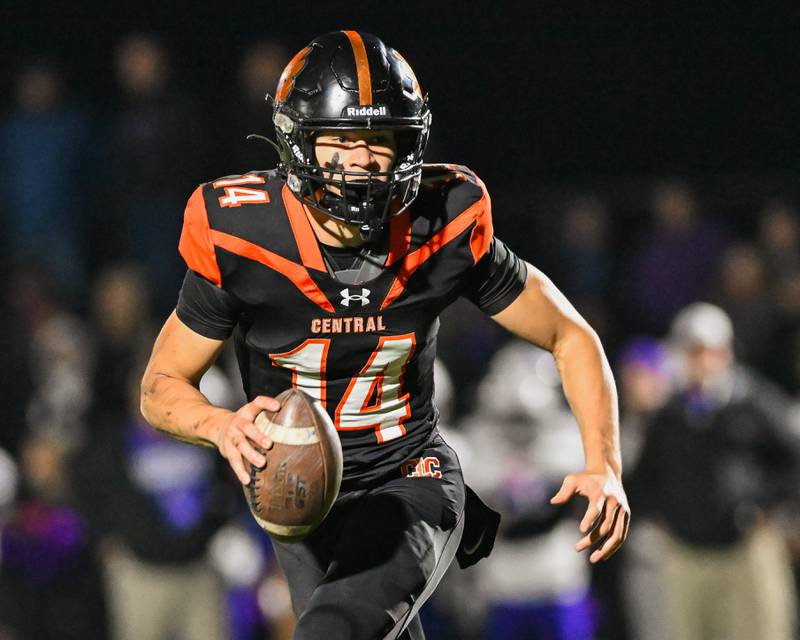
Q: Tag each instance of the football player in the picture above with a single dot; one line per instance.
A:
(330, 272)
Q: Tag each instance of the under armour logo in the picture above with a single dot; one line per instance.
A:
(347, 297)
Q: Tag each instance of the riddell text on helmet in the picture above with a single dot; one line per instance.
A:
(370, 111)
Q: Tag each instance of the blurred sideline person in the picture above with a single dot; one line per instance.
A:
(676, 257)
(517, 446)
(259, 70)
(157, 506)
(145, 144)
(122, 330)
(50, 581)
(331, 271)
(45, 161)
(716, 463)
(645, 376)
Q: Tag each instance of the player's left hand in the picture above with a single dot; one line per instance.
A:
(607, 517)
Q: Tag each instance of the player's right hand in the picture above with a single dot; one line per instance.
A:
(237, 436)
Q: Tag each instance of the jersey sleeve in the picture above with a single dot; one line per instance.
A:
(203, 304)
(207, 309)
(196, 244)
(497, 278)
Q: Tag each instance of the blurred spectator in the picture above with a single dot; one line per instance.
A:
(467, 340)
(9, 479)
(241, 553)
(783, 361)
(58, 358)
(645, 381)
(443, 616)
(25, 299)
(155, 156)
(259, 71)
(676, 259)
(157, 504)
(44, 164)
(585, 261)
(744, 295)
(61, 368)
(716, 463)
(50, 586)
(122, 331)
(644, 374)
(519, 445)
(779, 236)
(779, 239)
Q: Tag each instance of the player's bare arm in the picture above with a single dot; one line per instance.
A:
(541, 314)
(171, 400)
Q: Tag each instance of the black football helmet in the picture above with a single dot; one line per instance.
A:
(348, 80)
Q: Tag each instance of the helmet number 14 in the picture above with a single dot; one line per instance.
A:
(374, 398)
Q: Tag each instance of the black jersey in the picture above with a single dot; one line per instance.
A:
(364, 350)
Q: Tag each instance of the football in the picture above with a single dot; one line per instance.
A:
(293, 492)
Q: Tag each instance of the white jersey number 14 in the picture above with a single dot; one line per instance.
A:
(374, 398)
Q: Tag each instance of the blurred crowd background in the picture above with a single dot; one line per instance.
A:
(109, 530)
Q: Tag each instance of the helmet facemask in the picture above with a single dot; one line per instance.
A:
(365, 198)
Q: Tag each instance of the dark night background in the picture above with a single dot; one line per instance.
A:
(579, 116)
(543, 93)
(536, 99)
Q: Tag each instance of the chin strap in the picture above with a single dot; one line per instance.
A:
(254, 137)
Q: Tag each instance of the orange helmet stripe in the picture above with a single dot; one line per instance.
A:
(362, 67)
(412, 75)
(294, 67)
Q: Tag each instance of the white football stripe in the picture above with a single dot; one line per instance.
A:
(289, 531)
(286, 435)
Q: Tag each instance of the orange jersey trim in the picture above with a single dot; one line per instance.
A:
(479, 212)
(482, 234)
(399, 237)
(195, 245)
(362, 67)
(301, 229)
(296, 273)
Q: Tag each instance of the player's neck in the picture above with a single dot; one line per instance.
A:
(331, 232)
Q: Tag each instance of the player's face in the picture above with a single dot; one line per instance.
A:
(365, 151)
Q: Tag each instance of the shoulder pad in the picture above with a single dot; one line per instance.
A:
(453, 201)
(196, 246)
(208, 211)
(265, 175)
(439, 175)
(236, 190)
